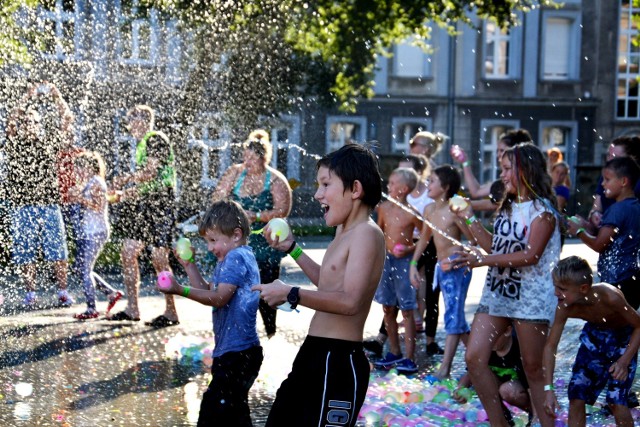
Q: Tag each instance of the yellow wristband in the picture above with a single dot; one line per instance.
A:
(295, 254)
(185, 291)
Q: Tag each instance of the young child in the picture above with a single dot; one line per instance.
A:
(237, 355)
(518, 288)
(608, 343)
(618, 238)
(506, 364)
(395, 290)
(330, 375)
(454, 284)
(90, 193)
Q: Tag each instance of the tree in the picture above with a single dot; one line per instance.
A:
(13, 48)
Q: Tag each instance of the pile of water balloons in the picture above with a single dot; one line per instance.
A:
(424, 401)
(190, 349)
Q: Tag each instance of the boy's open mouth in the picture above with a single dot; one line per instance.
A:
(325, 208)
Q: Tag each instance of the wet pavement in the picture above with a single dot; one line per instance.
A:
(57, 371)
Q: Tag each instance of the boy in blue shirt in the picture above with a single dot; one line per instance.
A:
(618, 238)
(237, 355)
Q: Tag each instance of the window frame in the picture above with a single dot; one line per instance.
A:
(573, 70)
(136, 24)
(426, 60)
(59, 16)
(485, 125)
(571, 142)
(361, 136)
(396, 122)
(514, 53)
(629, 34)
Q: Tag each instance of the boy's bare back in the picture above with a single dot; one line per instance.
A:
(446, 221)
(352, 264)
(397, 224)
(605, 310)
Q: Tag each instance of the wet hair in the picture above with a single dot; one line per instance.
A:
(515, 136)
(631, 145)
(258, 142)
(419, 162)
(409, 177)
(432, 140)
(225, 216)
(572, 270)
(528, 162)
(354, 162)
(496, 192)
(92, 160)
(143, 112)
(450, 178)
(624, 167)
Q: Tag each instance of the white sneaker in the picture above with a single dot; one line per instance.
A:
(64, 299)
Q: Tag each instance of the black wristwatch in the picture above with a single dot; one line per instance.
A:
(293, 298)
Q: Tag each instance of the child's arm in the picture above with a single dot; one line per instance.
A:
(598, 243)
(549, 360)
(479, 234)
(421, 245)
(308, 265)
(619, 370)
(541, 230)
(219, 297)
(363, 266)
(226, 183)
(96, 200)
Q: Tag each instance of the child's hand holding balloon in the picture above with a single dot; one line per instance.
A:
(278, 234)
(167, 283)
(184, 251)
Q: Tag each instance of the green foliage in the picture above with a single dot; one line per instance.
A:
(13, 48)
(326, 48)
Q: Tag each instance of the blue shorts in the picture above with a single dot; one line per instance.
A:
(599, 348)
(394, 289)
(35, 227)
(454, 285)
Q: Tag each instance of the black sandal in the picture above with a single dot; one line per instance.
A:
(162, 321)
(123, 316)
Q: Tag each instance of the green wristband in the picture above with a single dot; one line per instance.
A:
(295, 254)
(185, 291)
(471, 220)
(466, 163)
(549, 387)
(580, 230)
(413, 262)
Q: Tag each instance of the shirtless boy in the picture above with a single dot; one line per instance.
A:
(444, 183)
(394, 290)
(609, 343)
(330, 375)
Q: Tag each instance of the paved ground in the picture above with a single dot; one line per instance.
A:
(58, 371)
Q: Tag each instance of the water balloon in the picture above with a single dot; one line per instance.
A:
(457, 203)
(24, 389)
(183, 249)
(164, 280)
(279, 228)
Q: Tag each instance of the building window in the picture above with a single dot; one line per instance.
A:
(213, 141)
(490, 135)
(286, 147)
(341, 130)
(563, 136)
(501, 51)
(628, 62)
(403, 129)
(137, 35)
(60, 29)
(410, 61)
(560, 46)
(124, 155)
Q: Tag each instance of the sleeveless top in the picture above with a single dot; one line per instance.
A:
(527, 292)
(94, 222)
(260, 202)
(419, 203)
(165, 178)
